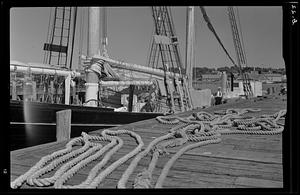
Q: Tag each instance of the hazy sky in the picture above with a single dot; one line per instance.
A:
(130, 30)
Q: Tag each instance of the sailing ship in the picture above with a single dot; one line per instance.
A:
(105, 90)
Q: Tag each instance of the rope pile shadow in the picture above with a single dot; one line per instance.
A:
(199, 129)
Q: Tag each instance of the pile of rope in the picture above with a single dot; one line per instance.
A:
(90, 151)
(201, 128)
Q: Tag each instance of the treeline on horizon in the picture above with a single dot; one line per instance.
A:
(198, 71)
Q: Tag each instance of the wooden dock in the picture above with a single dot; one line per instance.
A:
(239, 161)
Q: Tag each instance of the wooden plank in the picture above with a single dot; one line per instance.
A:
(238, 161)
(63, 125)
(33, 149)
(194, 163)
(254, 182)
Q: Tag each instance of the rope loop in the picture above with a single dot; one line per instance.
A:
(201, 128)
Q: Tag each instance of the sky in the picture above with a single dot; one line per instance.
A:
(130, 30)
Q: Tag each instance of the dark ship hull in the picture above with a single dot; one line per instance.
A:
(33, 123)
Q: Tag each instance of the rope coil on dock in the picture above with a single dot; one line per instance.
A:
(200, 128)
(265, 125)
(44, 160)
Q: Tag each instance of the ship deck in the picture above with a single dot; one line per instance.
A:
(239, 161)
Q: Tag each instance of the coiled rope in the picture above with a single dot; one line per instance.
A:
(235, 124)
(79, 158)
(67, 175)
(203, 128)
(122, 160)
(44, 160)
(82, 153)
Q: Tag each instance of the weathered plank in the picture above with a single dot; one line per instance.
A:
(238, 161)
(63, 125)
(251, 182)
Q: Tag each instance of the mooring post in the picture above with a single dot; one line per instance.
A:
(63, 125)
(14, 90)
(130, 101)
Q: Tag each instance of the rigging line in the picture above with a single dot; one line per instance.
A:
(196, 43)
(73, 38)
(176, 49)
(235, 35)
(53, 32)
(81, 36)
(242, 39)
(172, 48)
(229, 9)
(68, 38)
(151, 45)
(186, 38)
(211, 28)
(47, 38)
(61, 33)
(238, 41)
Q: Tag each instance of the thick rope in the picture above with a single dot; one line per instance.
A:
(65, 176)
(44, 160)
(202, 127)
(124, 178)
(83, 152)
(122, 160)
(177, 155)
(93, 180)
(144, 179)
(230, 123)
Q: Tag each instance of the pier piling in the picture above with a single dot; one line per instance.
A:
(63, 125)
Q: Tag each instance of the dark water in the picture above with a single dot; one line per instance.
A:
(22, 136)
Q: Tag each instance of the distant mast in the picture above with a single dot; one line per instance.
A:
(93, 48)
(104, 31)
(190, 40)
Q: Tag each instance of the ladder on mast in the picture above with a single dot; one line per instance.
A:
(241, 57)
(164, 54)
(58, 42)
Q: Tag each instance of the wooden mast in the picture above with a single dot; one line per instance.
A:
(190, 39)
(104, 38)
(93, 49)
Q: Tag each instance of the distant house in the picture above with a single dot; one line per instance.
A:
(254, 76)
(256, 81)
(211, 77)
(274, 77)
(264, 78)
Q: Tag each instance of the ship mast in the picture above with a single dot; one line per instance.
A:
(104, 31)
(92, 49)
(190, 40)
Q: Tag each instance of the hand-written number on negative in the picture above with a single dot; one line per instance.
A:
(294, 21)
